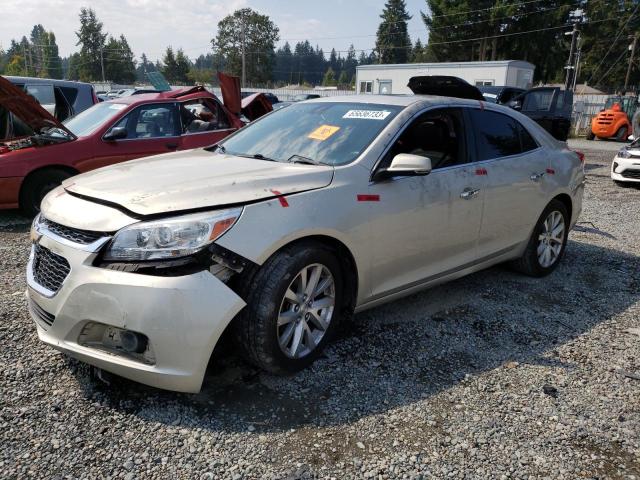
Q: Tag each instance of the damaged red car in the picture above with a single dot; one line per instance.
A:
(111, 132)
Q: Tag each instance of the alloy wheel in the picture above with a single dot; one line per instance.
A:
(306, 311)
(551, 239)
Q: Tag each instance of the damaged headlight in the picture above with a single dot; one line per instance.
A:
(171, 237)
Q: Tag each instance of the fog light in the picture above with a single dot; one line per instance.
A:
(133, 342)
(615, 166)
(117, 341)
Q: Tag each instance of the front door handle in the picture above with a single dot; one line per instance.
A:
(469, 193)
(536, 176)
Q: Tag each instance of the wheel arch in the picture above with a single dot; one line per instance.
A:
(25, 181)
(565, 199)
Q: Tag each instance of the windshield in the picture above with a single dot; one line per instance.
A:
(87, 122)
(329, 133)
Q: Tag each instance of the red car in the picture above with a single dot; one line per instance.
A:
(111, 132)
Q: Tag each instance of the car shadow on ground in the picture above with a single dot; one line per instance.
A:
(402, 352)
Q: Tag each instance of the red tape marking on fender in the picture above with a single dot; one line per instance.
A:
(368, 198)
(281, 199)
(551, 171)
(481, 171)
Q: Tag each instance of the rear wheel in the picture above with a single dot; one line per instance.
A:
(293, 306)
(621, 134)
(36, 186)
(547, 243)
(590, 135)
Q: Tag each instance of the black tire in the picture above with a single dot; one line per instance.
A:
(591, 135)
(256, 328)
(529, 263)
(36, 186)
(621, 184)
(621, 134)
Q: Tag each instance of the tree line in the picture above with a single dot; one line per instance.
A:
(461, 30)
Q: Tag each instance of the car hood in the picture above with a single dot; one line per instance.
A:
(194, 179)
(26, 108)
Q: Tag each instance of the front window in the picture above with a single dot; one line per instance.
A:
(87, 122)
(151, 121)
(329, 133)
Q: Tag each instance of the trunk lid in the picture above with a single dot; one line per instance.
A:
(195, 179)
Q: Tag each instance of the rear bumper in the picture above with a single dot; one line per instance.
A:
(183, 318)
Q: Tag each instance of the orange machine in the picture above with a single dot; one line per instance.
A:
(614, 121)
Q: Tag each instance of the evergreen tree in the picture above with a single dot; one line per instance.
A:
(53, 65)
(283, 72)
(91, 41)
(119, 61)
(170, 67)
(344, 78)
(73, 69)
(329, 79)
(183, 66)
(392, 40)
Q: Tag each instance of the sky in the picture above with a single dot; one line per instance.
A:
(151, 25)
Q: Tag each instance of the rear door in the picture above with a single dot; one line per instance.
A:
(426, 226)
(151, 129)
(203, 123)
(516, 168)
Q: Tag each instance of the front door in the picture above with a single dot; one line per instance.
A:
(426, 226)
(151, 129)
(204, 122)
(516, 169)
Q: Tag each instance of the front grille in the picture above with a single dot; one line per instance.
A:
(635, 174)
(49, 269)
(41, 314)
(83, 237)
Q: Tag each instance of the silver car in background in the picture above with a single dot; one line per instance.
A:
(290, 225)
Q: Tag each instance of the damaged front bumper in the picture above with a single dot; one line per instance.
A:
(89, 314)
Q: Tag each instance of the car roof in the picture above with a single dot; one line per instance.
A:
(47, 81)
(399, 100)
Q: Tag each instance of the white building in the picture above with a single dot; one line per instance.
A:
(387, 79)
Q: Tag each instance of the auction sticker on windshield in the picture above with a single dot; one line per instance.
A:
(367, 114)
(323, 132)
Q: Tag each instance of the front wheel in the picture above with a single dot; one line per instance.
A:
(293, 305)
(36, 186)
(547, 243)
(621, 134)
(591, 136)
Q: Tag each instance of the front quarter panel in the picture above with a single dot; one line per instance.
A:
(334, 211)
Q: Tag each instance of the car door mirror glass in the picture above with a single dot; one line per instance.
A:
(515, 104)
(116, 133)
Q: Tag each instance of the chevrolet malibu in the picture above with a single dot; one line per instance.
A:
(290, 225)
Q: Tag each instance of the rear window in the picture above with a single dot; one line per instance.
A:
(497, 135)
(42, 93)
(329, 133)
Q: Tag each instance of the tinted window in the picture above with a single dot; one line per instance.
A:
(497, 135)
(331, 133)
(539, 100)
(437, 134)
(526, 140)
(151, 121)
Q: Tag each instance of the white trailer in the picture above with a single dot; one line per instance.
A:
(393, 78)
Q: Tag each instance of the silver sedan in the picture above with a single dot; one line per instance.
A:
(287, 227)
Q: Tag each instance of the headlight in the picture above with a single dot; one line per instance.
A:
(172, 237)
(624, 153)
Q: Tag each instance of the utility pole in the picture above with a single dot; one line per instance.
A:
(633, 51)
(571, 67)
(102, 63)
(243, 58)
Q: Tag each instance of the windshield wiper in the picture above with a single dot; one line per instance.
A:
(217, 147)
(305, 160)
(256, 156)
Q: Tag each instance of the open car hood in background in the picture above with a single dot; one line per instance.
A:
(26, 108)
(230, 87)
(256, 105)
(444, 86)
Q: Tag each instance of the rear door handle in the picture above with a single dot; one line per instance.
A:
(536, 176)
(469, 193)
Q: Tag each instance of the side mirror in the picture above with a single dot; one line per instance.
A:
(405, 165)
(116, 133)
(515, 104)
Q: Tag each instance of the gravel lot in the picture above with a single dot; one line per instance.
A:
(491, 376)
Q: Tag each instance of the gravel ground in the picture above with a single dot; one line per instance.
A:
(492, 376)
